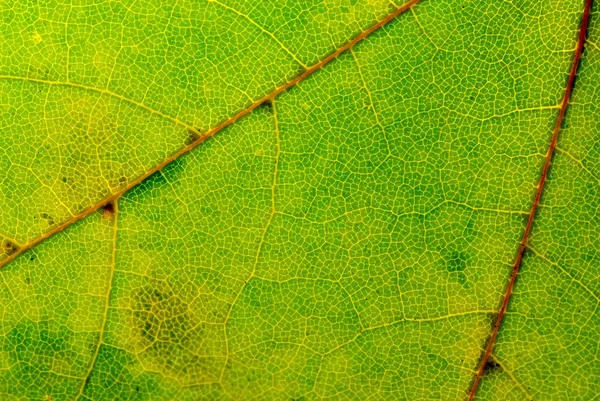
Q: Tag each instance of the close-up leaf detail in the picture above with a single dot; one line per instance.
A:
(299, 200)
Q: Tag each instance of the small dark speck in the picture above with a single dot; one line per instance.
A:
(109, 208)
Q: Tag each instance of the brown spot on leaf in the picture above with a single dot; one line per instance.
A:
(9, 247)
(491, 366)
(108, 211)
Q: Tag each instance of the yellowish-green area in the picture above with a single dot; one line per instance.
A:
(93, 94)
(52, 306)
(350, 240)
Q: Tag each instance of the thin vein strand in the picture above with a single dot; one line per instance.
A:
(114, 216)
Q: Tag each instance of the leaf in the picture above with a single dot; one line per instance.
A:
(298, 200)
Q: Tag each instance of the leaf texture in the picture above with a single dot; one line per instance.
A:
(253, 200)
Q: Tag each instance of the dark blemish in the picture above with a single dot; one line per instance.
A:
(64, 179)
(491, 366)
(87, 380)
(193, 136)
(267, 105)
(122, 180)
(49, 219)
(166, 329)
(108, 211)
(9, 247)
(109, 207)
(137, 389)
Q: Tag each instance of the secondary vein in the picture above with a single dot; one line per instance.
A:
(113, 215)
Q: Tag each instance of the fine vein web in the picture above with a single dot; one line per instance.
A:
(201, 137)
(536, 201)
(271, 35)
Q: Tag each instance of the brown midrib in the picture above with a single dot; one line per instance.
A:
(536, 200)
(201, 137)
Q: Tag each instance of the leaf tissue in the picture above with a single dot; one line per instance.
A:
(299, 200)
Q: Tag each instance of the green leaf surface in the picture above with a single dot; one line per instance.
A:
(291, 200)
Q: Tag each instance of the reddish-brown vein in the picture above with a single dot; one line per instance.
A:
(538, 194)
(203, 137)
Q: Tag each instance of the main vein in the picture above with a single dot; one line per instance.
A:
(201, 137)
(538, 194)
